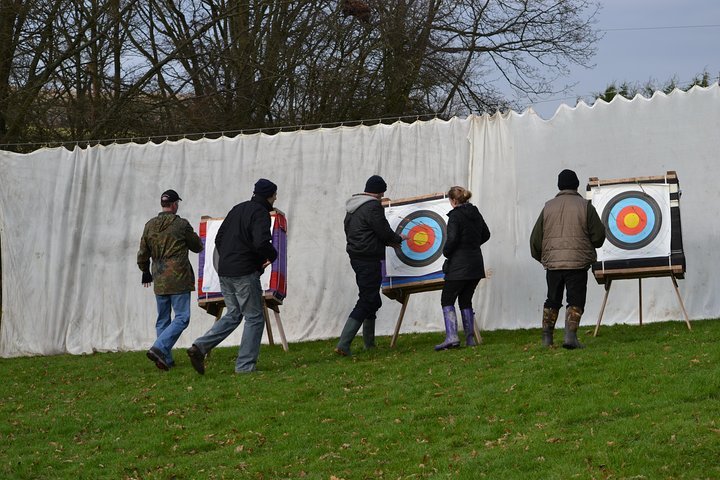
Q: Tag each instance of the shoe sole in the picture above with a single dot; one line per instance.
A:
(159, 363)
(341, 353)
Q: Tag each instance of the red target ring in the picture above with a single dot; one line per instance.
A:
(420, 238)
(631, 220)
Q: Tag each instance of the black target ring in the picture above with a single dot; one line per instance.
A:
(426, 231)
(632, 220)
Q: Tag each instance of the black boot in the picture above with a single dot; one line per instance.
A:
(572, 322)
(550, 316)
(369, 333)
(451, 336)
(346, 337)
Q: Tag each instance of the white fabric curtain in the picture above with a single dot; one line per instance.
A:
(70, 225)
(70, 222)
(517, 158)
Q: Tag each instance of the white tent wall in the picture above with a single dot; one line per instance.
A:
(70, 225)
(70, 222)
(517, 158)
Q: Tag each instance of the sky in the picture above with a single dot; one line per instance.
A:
(635, 48)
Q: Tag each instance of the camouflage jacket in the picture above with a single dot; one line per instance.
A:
(166, 239)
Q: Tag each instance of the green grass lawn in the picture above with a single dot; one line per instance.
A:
(638, 402)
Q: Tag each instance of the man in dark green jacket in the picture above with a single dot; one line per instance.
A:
(166, 240)
(564, 240)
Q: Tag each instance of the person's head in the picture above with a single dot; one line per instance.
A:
(375, 185)
(169, 201)
(567, 180)
(266, 189)
(458, 195)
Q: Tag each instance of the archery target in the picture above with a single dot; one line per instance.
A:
(425, 230)
(636, 219)
(425, 225)
(632, 219)
(211, 279)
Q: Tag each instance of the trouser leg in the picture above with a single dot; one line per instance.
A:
(250, 298)
(368, 277)
(164, 304)
(166, 340)
(227, 324)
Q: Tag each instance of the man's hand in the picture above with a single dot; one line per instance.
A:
(147, 279)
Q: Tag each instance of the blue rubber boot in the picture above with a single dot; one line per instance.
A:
(468, 321)
(451, 336)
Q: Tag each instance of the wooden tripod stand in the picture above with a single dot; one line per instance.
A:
(607, 277)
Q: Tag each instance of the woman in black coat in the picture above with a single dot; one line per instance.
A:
(464, 267)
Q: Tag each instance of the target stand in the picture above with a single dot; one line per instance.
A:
(643, 234)
(416, 266)
(273, 281)
(215, 306)
(674, 272)
(402, 293)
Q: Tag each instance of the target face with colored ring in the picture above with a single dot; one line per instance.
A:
(632, 219)
(426, 232)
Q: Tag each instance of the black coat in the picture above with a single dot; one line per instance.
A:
(366, 229)
(244, 239)
(466, 231)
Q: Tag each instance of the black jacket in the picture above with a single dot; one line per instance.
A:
(466, 231)
(244, 239)
(366, 229)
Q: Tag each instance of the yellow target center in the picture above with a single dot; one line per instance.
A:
(632, 220)
(420, 238)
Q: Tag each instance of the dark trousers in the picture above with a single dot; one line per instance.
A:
(460, 290)
(368, 276)
(575, 281)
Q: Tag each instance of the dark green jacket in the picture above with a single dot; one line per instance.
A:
(166, 239)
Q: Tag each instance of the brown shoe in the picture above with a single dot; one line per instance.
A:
(340, 352)
(197, 359)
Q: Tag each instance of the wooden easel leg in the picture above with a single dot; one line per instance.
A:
(267, 324)
(476, 331)
(640, 299)
(281, 331)
(682, 305)
(405, 300)
(602, 309)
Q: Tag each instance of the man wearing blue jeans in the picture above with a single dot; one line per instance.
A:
(244, 244)
(166, 240)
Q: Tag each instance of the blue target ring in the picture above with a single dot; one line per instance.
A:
(427, 232)
(632, 220)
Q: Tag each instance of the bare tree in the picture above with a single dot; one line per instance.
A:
(75, 69)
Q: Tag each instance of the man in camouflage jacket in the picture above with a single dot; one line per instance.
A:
(166, 239)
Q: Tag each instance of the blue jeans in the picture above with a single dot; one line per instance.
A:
(243, 298)
(169, 331)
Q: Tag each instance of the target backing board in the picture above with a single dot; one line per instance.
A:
(424, 222)
(642, 223)
(273, 279)
(636, 219)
